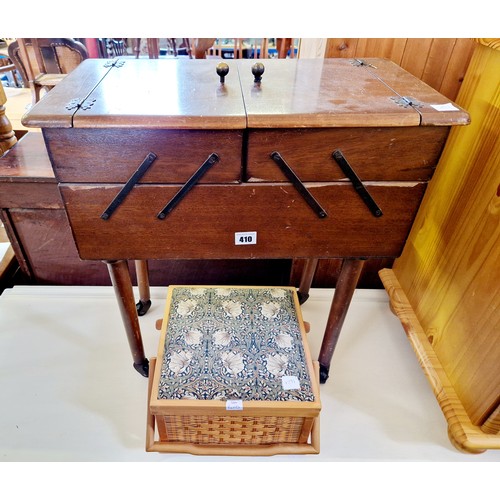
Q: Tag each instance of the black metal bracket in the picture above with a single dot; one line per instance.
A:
(356, 182)
(134, 179)
(209, 162)
(299, 186)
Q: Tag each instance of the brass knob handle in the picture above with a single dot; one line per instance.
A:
(257, 71)
(222, 70)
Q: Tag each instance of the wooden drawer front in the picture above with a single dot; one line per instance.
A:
(113, 155)
(204, 223)
(393, 153)
(29, 195)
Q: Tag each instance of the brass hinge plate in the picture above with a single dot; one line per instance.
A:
(407, 102)
(80, 104)
(115, 63)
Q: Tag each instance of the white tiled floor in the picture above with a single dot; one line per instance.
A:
(72, 394)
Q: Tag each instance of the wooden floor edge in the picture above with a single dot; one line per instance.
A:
(464, 435)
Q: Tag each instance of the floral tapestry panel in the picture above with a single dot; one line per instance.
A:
(234, 343)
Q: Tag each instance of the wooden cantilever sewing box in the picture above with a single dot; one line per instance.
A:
(160, 159)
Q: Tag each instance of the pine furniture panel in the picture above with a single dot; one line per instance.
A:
(444, 287)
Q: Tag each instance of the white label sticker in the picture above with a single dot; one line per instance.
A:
(234, 404)
(248, 238)
(290, 383)
(444, 107)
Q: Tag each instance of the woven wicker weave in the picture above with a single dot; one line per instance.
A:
(201, 429)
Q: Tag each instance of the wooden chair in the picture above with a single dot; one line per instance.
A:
(153, 47)
(285, 45)
(261, 51)
(222, 48)
(7, 66)
(201, 46)
(258, 49)
(44, 62)
(111, 47)
(174, 49)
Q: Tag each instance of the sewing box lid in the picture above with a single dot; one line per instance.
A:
(143, 93)
(233, 344)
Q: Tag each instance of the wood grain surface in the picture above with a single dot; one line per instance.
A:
(450, 265)
(204, 223)
(181, 94)
(113, 155)
(375, 153)
(463, 433)
(28, 161)
(320, 93)
(51, 111)
(439, 62)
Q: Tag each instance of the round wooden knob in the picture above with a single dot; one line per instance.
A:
(257, 71)
(222, 70)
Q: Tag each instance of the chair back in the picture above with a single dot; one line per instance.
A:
(238, 48)
(46, 56)
(111, 47)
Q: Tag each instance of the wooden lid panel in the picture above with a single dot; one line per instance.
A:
(319, 93)
(54, 109)
(434, 108)
(187, 94)
(166, 93)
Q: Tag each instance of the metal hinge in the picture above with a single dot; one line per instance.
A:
(406, 102)
(80, 104)
(360, 62)
(115, 63)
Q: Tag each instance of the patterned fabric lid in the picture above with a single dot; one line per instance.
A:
(234, 344)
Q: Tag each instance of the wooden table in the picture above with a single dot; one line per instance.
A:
(277, 159)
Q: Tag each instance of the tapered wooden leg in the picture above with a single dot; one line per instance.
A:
(344, 290)
(142, 271)
(306, 279)
(7, 135)
(122, 285)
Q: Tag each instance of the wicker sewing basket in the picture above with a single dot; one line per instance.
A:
(219, 384)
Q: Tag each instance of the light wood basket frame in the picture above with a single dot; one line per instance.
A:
(152, 444)
(262, 428)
